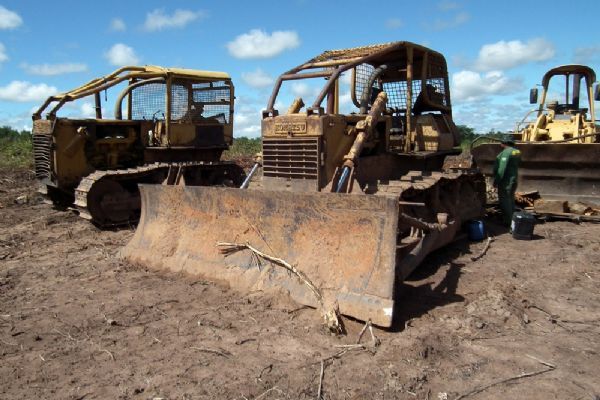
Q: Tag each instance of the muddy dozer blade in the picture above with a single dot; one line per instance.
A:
(558, 171)
(345, 244)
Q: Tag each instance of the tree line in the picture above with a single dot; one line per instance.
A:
(16, 146)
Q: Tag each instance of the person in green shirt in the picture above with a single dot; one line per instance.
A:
(506, 173)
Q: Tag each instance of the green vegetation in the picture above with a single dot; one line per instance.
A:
(468, 134)
(243, 147)
(15, 148)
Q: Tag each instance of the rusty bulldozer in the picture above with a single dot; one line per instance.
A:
(352, 201)
(170, 126)
(560, 146)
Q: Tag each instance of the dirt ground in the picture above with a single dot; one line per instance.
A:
(76, 322)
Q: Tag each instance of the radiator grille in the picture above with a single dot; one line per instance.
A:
(42, 147)
(291, 158)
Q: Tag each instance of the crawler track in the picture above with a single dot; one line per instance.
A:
(111, 198)
(432, 208)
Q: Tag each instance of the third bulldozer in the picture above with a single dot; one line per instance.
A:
(560, 145)
(352, 200)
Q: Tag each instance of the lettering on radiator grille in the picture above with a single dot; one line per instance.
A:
(293, 127)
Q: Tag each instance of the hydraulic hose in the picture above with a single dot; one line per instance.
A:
(364, 98)
(345, 173)
(365, 130)
(257, 164)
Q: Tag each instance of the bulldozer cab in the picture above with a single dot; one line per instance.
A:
(416, 118)
(184, 112)
(559, 142)
(160, 115)
(178, 101)
(353, 194)
(566, 109)
(568, 89)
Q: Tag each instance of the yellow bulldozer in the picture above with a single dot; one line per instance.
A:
(349, 203)
(170, 126)
(560, 145)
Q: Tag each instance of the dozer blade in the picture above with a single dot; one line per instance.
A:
(558, 171)
(345, 244)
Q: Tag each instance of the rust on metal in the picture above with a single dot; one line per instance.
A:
(345, 244)
(354, 201)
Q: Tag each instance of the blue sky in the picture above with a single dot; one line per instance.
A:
(496, 51)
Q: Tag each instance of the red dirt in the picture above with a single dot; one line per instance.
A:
(76, 322)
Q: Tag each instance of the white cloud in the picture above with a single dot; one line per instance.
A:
(457, 20)
(247, 124)
(487, 115)
(19, 121)
(9, 19)
(3, 55)
(308, 89)
(54, 69)
(157, 20)
(504, 55)
(21, 91)
(121, 54)
(117, 25)
(469, 85)
(300, 89)
(258, 79)
(394, 23)
(259, 44)
(586, 55)
(87, 110)
(247, 121)
(345, 99)
(346, 106)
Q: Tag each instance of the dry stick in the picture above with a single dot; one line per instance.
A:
(547, 364)
(552, 317)
(68, 335)
(374, 339)
(321, 380)
(345, 349)
(265, 393)
(362, 332)
(109, 353)
(268, 367)
(331, 316)
(485, 249)
(221, 352)
(350, 346)
(235, 247)
(551, 367)
(342, 352)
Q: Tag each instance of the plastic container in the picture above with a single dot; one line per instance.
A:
(522, 226)
(476, 230)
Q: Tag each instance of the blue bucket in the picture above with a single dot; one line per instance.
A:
(476, 230)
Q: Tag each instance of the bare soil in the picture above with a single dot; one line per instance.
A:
(76, 322)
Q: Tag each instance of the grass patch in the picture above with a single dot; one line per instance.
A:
(15, 148)
(243, 147)
(468, 135)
